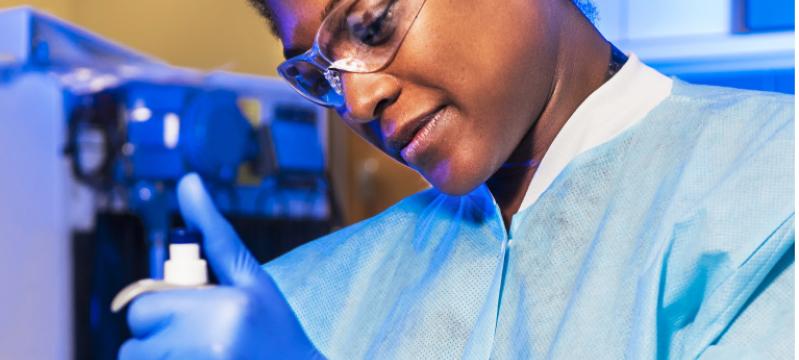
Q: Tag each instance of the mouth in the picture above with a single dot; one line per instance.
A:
(417, 135)
(398, 141)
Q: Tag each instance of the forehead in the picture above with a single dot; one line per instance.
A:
(297, 21)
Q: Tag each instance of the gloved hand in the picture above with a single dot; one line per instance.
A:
(246, 317)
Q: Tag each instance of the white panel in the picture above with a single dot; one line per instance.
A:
(35, 309)
(673, 18)
(14, 35)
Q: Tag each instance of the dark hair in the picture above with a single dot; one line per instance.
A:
(586, 6)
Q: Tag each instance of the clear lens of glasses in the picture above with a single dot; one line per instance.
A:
(357, 36)
(364, 35)
(313, 82)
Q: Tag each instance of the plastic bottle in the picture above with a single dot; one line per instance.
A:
(185, 266)
(185, 269)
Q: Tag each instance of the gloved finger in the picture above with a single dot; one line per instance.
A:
(149, 313)
(229, 258)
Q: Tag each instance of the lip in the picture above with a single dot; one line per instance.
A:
(421, 137)
(402, 137)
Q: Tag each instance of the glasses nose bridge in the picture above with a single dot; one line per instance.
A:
(333, 77)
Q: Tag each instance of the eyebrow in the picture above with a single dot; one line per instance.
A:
(292, 52)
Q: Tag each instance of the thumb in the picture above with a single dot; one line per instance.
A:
(229, 258)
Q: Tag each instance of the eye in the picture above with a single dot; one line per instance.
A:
(317, 85)
(311, 80)
(373, 26)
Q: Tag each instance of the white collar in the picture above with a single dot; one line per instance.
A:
(616, 106)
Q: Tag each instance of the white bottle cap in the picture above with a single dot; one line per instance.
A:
(185, 267)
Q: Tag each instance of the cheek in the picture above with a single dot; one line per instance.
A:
(493, 68)
(505, 64)
(496, 70)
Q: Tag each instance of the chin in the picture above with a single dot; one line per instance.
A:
(450, 182)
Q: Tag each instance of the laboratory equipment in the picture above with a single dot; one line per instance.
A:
(96, 136)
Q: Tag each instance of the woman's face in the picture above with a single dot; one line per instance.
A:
(468, 81)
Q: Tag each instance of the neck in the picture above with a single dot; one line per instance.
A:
(582, 67)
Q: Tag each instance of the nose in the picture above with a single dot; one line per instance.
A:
(367, 95)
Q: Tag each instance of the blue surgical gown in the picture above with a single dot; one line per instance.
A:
(672, 240)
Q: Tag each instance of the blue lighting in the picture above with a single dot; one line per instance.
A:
(769, 15)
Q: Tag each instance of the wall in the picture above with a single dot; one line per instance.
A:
(60, 8)
(653, 19)
(206, 34)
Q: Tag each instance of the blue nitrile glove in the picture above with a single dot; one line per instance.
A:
(246, 317)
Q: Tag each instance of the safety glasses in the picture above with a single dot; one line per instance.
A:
(358, 36)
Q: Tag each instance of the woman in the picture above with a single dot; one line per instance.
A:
(584, 205)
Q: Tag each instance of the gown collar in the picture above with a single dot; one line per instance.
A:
(614, 107)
